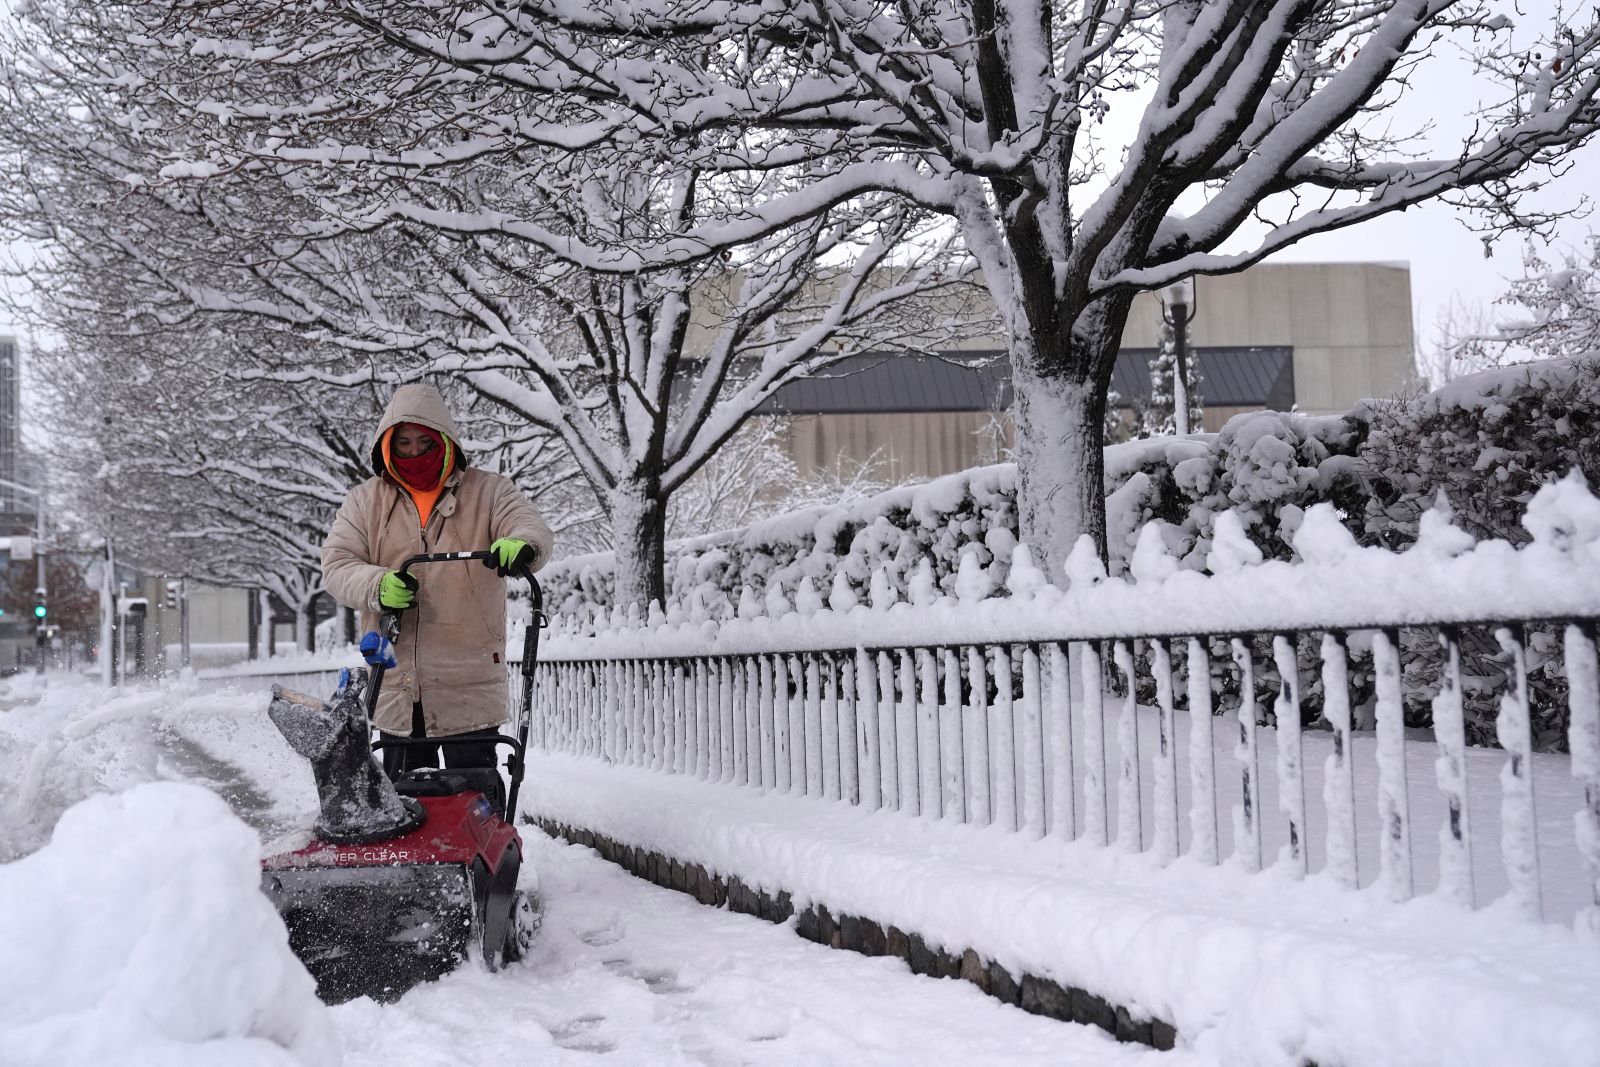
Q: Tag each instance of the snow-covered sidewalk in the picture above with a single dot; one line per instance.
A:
(628, 973)
(1253, 969)
(184, 965)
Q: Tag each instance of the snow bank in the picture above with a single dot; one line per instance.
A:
(139, 934)
(1254, 969)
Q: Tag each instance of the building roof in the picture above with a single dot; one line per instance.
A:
(1229, 377)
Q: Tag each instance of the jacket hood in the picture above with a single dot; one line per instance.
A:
(420, 404)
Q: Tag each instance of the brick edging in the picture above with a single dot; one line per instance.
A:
(1039, 996)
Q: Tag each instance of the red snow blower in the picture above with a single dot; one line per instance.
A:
(404, 880)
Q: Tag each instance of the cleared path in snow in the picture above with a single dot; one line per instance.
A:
(625, 972)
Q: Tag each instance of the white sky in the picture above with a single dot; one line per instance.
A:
(1448, 261)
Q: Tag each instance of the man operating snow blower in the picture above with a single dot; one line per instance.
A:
(449, 678)
(411, 869)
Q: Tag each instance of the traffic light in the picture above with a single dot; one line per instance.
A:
(40, 610)
(171, 599)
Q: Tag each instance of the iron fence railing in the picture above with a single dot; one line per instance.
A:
(1137, 742)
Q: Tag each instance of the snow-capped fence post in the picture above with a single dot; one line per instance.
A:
(780, 724)
(764, 698)
(1003, 748)
(1202, 757)
(1394, 804)
(1032, 744)
(799, 783)
(867, 729)
(713, 714)
(663, 709)
(681, 760)
(1519, 842)
(975, 734)
(928, 733)
(1165, 815)
(905, 735)
(847, 738)
(751, 670)
(813, 725)
(1339, 776)
(1583, 741)
(1450, 770)
(830, 726)
(1247, 814)
(1130, 795)
(722, 721)
(738, 722)
(1063, 783)
(1291, 757)
(951, 771)
(888, 714)
(1096, 817)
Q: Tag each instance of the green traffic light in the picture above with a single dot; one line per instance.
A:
(38, 611)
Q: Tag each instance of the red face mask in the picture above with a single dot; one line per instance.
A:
(420, 472)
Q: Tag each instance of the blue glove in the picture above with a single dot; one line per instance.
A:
(376, 650)
(397, 591)
(510, 554)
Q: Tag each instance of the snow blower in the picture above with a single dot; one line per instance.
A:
(401, 880)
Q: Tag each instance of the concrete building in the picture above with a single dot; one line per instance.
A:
(1313, 337)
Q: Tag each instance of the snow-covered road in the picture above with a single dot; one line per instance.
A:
(624, 972)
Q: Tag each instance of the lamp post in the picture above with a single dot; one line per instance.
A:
(1177, 309)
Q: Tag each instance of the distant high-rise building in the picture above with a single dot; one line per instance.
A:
(16, 509)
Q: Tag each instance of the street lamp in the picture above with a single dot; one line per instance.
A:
(1177, 308)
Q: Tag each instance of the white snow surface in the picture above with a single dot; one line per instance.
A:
(135, 933)
(139, 935)
(1251, 969)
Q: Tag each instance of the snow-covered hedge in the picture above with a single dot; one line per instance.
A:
(1480, 448)
(1487, 442)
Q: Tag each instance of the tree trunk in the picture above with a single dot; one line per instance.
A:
(639, 531)
(1060, 463)
(305, 625)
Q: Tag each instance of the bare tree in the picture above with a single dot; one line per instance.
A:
(1553, 310)
(415, 216)
(1277, 115)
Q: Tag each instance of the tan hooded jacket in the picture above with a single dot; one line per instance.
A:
(451, 651)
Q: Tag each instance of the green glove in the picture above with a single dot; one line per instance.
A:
(397, 591)
(509, 554)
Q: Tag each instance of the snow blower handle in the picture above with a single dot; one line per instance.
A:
(389, 625)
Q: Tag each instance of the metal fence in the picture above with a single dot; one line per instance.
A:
(1136, 742)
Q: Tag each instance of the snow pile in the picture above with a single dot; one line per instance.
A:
(139, 934)
(64, 738)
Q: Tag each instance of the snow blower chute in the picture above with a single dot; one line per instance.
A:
(402, 880)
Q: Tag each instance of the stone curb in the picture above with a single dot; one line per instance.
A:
(1039, 996)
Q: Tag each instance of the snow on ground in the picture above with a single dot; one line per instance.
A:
(139, 935)
(135, 936)
(627, 973)
(1253, 969)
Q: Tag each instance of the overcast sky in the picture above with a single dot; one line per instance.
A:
(1447, 259)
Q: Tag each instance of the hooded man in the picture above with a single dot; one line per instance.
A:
(449, 678)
